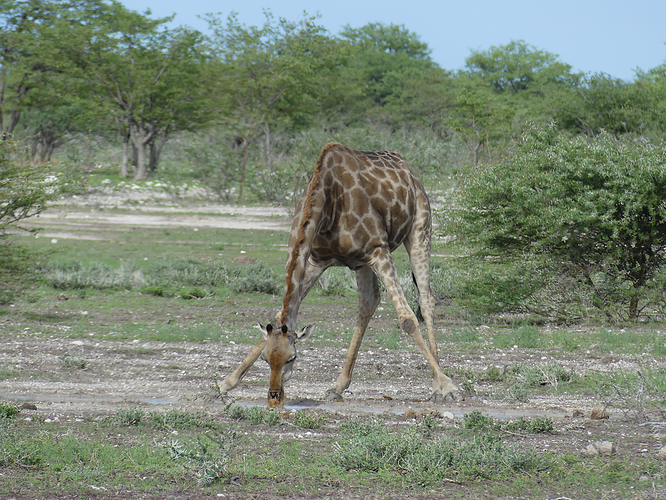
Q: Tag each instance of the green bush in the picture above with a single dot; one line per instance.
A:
(186, 272)
(594, 207)
(371, 447)
(129, 416)
(74, 274)
(309, 420)
(9, 410)
(336, 281)
(70, 363)
(530, 377)
(208, 456)
(178, 419)
(537, 425)
(255, 278)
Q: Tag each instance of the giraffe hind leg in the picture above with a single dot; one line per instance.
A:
(385, 268)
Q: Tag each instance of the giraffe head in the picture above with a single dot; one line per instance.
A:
(280, 354)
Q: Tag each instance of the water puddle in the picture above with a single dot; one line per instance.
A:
(157, 401)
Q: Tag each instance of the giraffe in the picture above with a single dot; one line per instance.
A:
(359, 206)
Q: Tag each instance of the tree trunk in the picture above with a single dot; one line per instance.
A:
(156, 151)
(141, 167)
(633, 307)
(125, 159)
(243, 163)
(152, 159)
(140, 139)
(475, 153)
(269, 155)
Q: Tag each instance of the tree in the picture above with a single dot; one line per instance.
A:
(594, 207)
(479, 115)
(24, 58)
(518, 67)
(148, 79)
(603, 103)
(420, 99)
(384, 50)
(282, 74)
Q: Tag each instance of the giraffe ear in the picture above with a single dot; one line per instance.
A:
(265, 330)
(305, 332)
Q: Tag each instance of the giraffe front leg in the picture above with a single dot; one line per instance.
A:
(368, 300)
(234, 378)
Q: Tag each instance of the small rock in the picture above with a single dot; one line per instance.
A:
(600, 448)
(662, 453)
(590, 451)
(578, 414)
(410, 413)
(62, 296)
(28, 406)
(598, 414)
(448, 415)
(605, 448)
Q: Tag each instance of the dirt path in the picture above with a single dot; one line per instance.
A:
(84, 223)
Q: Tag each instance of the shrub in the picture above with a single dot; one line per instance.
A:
(207, 456)
(309, 420)
(595, 207)
(25, 189)
(129, 416)
(537, 425)
(178, 419)
(9, 410)
(370, 446)
(530, 377)
(71, 363)
(255, 278)
(97, 275)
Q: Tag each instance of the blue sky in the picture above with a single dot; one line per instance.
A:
(593, 36)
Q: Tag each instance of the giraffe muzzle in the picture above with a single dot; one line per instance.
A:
(276, 398)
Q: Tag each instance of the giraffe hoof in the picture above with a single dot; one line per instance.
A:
(454, 396)
(331, 395)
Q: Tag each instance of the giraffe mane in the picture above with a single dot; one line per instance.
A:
(305, 219)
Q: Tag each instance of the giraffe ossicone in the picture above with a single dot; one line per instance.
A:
(359, 206)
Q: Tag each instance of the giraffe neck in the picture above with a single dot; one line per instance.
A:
(300, 246)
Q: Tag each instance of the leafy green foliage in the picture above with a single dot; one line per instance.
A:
(256, 278)
(9, 410)
(180, 419)
(70, 363)
(596, 207)
(531, 377)
(477, 421)
(208, 456)
(24, 188)
(370, 446)
(536, 425)
(129, 416)
(386, 53)
(518, 66)
(309, 420)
